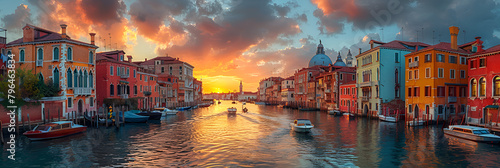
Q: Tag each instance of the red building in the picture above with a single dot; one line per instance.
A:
(118, 78)
(303, 78)
(484, 86)
(169, 87)
(347, 96)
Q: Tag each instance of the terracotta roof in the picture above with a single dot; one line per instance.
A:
(349, 83)
(105, 58)
(443, 46)
(491, 50)
(51, 36)
(396, 44)
(290, 78)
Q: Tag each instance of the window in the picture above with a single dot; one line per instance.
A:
(472, 64)
(111, 90)
(128, 71)
(440, 73)
(452, 91)
(91, 80)
(462, 74)
(440, 109)
(341, 76)
(427, 72)
(140, 88)
(473, 88)
(452, 74)
(416, 92)
(69, 53)
(135, 90)
(91, 101)
(410, 109)
(496, 86)
(85, 79)
(40, 54)
(482, 62)
(482, 87)
(427, 91)
(118, 90)
(409, 92)
(69, 78)
(452, 59)
(415, 59)
(410, 75)
(140, 77)
(440, 91)
(353, 77)
(56, 77)
(55, 54)
(396, 76)
(396, 57)
(134, 74)
(145, 78)
(91, 57)
(75, 83)
(377, 56)
(122, 58)
(409, 60)
(162, 69)
(463, 60)
(416, 74)
(462, 92)
(440, 58)
(428, 58)
(111, 71)
(21, 56)
(70, 102)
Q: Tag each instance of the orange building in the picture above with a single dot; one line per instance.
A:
(436, 80)
(57, 58)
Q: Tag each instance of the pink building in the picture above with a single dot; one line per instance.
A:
(347, 96)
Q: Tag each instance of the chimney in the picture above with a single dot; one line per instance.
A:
(92, 38)
(28, 34)
(145, 59)
(359, 50)
(479, 44)
(129, 58)
(63, 31)
(454, 33)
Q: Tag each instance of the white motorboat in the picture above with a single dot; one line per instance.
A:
(301, 125)
(170, 112)
(232, 110)
(472, 133)
(415, 123)
(387, 118)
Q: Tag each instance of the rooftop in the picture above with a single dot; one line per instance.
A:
(46, 36)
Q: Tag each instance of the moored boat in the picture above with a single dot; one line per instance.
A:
(204, 105)
(184, 108)
(153, 115)
(99, 120)
(415, 123)
(302, 125)
(472, 133)
(170, 112)
(260, 103)
(387, 118)
(133, 118)
(54, 130)
(335, 112)
(309, 109)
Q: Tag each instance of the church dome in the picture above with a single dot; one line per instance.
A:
(320, 58)
(339, 61)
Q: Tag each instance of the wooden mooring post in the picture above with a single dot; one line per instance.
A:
(122, 109)
(29, 122)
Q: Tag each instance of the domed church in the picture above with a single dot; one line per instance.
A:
(320, 58)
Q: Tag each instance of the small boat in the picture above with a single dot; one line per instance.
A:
(245, 109)
(183, 108)
(134, 118)
(301, 125)
(335, 112)
(153, 115)
(280, 106)
(244, 103)
(232, 110)
(54, 130)
(472, 133)
(204, 105)
(194, 107)
(387, 118)
(260, 103)
(233, 102)
(170, 112)
(218, 102)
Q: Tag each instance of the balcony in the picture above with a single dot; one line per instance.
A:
(39, 62)
(327, 91)
(365, 84)
(413, 64)
(124, 96)
(365, 99)
(82, 91)
(124, 76)
(452, 99)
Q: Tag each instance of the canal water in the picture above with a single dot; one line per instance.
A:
(209, 137)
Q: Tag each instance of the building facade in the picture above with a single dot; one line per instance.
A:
(67, 63)
(347, 102)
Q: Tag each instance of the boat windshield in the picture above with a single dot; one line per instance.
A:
(478, 132)
(42, 128)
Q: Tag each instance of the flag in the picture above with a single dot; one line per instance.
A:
(4, 58)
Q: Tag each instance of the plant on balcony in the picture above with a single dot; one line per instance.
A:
(48, 89)
(147, 93)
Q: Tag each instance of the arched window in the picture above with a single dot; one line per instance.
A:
(496, 86)
(69, 52)
(40, 54)
(473, 88)
(85, 79)
(56, 77)
(91, 80)
(91, 57)
(111, 90)
(56, 53)
(80, 80)
(9, 53)
(482, 87)
(40, 77)
(75, 73)
(21, 56)
(69, 78)
(118, 90)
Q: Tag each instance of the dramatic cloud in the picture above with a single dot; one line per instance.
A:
(427, 16)
(18, 19)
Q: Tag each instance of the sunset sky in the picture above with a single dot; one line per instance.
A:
(232, 40)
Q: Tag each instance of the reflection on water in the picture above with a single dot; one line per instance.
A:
(210, 137)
